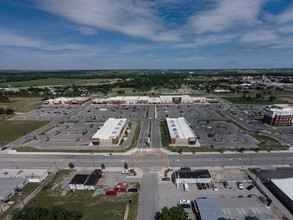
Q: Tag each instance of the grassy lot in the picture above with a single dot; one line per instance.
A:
(51, 82)
(268, 143)
(22, 104)
(240, 100)
(11, 130)
(98, 207)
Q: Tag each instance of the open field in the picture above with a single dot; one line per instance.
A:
(11, 130)
(22, 104)
(240, 100)
(92, 207)
(51, 82)
(268, 143)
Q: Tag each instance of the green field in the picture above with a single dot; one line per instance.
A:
(11, 130)
(240, 100)
(92, 207)
(268, 143)
(22, 104)
(51, 82)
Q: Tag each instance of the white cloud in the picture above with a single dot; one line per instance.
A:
(286, 16)
(134, 18)
(264, 38)
(286, 29)
(226, 14)
(8, 38)
(88, 31)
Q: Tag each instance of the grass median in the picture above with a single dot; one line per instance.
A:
(12, 130)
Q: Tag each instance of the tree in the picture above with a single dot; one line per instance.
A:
(4, 98)
(71, 165)
(251, 218)
(272, 98)
(257, 95)
(125, 165)
(103, 166)
(174, 213)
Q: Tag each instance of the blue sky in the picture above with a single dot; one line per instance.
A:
(127, 34)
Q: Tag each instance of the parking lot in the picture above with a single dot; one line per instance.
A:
(45, 113)
(169, 194)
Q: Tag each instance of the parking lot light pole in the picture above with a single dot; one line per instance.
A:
(283, 161)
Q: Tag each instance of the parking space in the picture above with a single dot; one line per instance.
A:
(103, 112)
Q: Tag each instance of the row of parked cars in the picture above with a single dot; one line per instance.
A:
(204, 186)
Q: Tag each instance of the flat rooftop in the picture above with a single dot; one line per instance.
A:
(285, 185)
(179, 128)
(111, 129)
(93, 177)
(22, 173)
(232, 208)
(7, 185)
(192, 174)
(79, 179)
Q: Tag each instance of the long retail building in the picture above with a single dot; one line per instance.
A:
(145, 100)
(110, 133)
(180, 133)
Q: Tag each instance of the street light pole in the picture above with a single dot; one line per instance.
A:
(213, 162)
(283, 161)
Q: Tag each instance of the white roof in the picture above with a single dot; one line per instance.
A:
(111, 129)
(285, 185)
(22, 173)
(179, 128)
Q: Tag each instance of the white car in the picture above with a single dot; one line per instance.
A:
(240, 185)
(184, 201)
(126, 172)
(108, 155)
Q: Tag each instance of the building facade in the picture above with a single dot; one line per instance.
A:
(278, 115)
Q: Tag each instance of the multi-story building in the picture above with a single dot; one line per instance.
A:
(278, 115)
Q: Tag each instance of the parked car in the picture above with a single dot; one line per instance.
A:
(3, 148)
(199, 186)
(209, 185)
(241, 196)
(226, 185)
(240, 185)
(215, 187)
(111, 193)
(250, 187)
(132, 190)
(185, 203)
(204, 186)
(126, 172)
(166, 179)
(252, 196)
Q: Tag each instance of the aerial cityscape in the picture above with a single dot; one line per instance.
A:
(141, 110)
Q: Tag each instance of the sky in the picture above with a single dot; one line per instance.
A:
(145, 34)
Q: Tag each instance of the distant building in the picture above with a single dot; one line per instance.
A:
(180, 134)
(85, 181)
(8, 187)
(145, 100)
(62, 101)
(278, 115)
(191, 176)
(282, 189)
(231, 208)
(110, 133)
